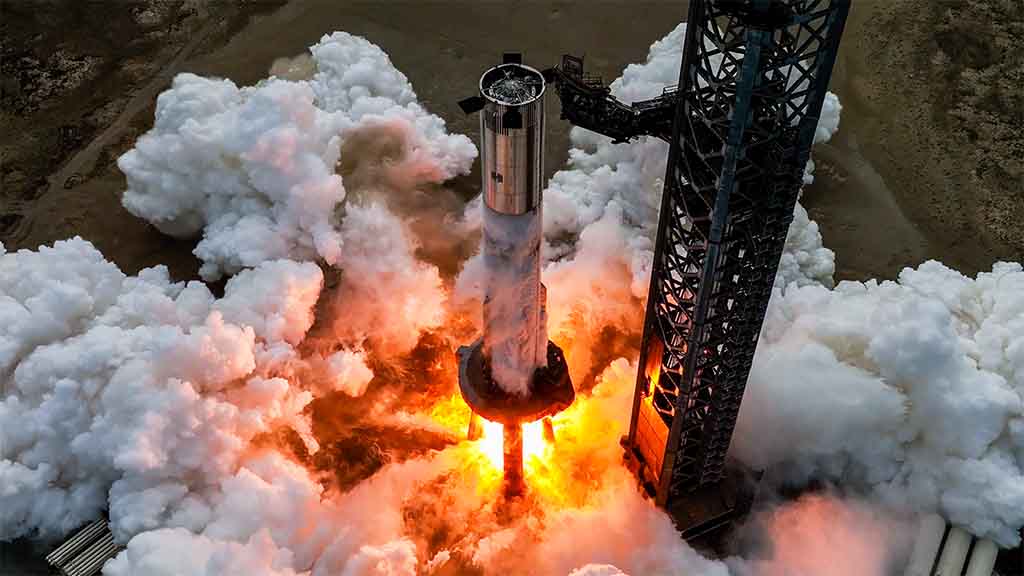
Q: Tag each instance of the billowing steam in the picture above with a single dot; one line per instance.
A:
(909, 389)
(191, 418)
(253, 169)
(136, 392)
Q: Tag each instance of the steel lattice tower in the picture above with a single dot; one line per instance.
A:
(740, 125)
(752, 84)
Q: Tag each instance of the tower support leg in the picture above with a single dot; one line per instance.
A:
(512, 443)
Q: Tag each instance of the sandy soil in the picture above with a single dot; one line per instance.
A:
(929, 158)
(914, 172)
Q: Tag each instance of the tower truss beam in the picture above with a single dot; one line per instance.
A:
(753, 80)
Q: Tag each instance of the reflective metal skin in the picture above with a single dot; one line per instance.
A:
(512, 142)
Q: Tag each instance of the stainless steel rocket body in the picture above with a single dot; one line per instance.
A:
(512, 161)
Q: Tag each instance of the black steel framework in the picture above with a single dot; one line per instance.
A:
(588, 103)
(753, 80)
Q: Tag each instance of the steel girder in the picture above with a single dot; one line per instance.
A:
(753, 80)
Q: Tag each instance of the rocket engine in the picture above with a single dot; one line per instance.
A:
(513, 373)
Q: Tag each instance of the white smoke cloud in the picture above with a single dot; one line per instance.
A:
(253, 168)
(271, 518)
(256, 171)
(598, 570)
(824, 535)
(388, 296)
(147, 398)
(828, 124)
(157, 553)
(348, 372)
(912, 389)
(805, 261)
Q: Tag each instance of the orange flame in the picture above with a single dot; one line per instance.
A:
(491, 444)
(563, 468)
(487, 453)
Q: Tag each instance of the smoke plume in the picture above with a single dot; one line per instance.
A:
(252, 169)
(910, 390)
(824, 535)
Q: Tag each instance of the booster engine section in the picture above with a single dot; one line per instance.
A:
(513, 373)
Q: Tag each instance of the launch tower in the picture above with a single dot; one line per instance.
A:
(740, 126)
